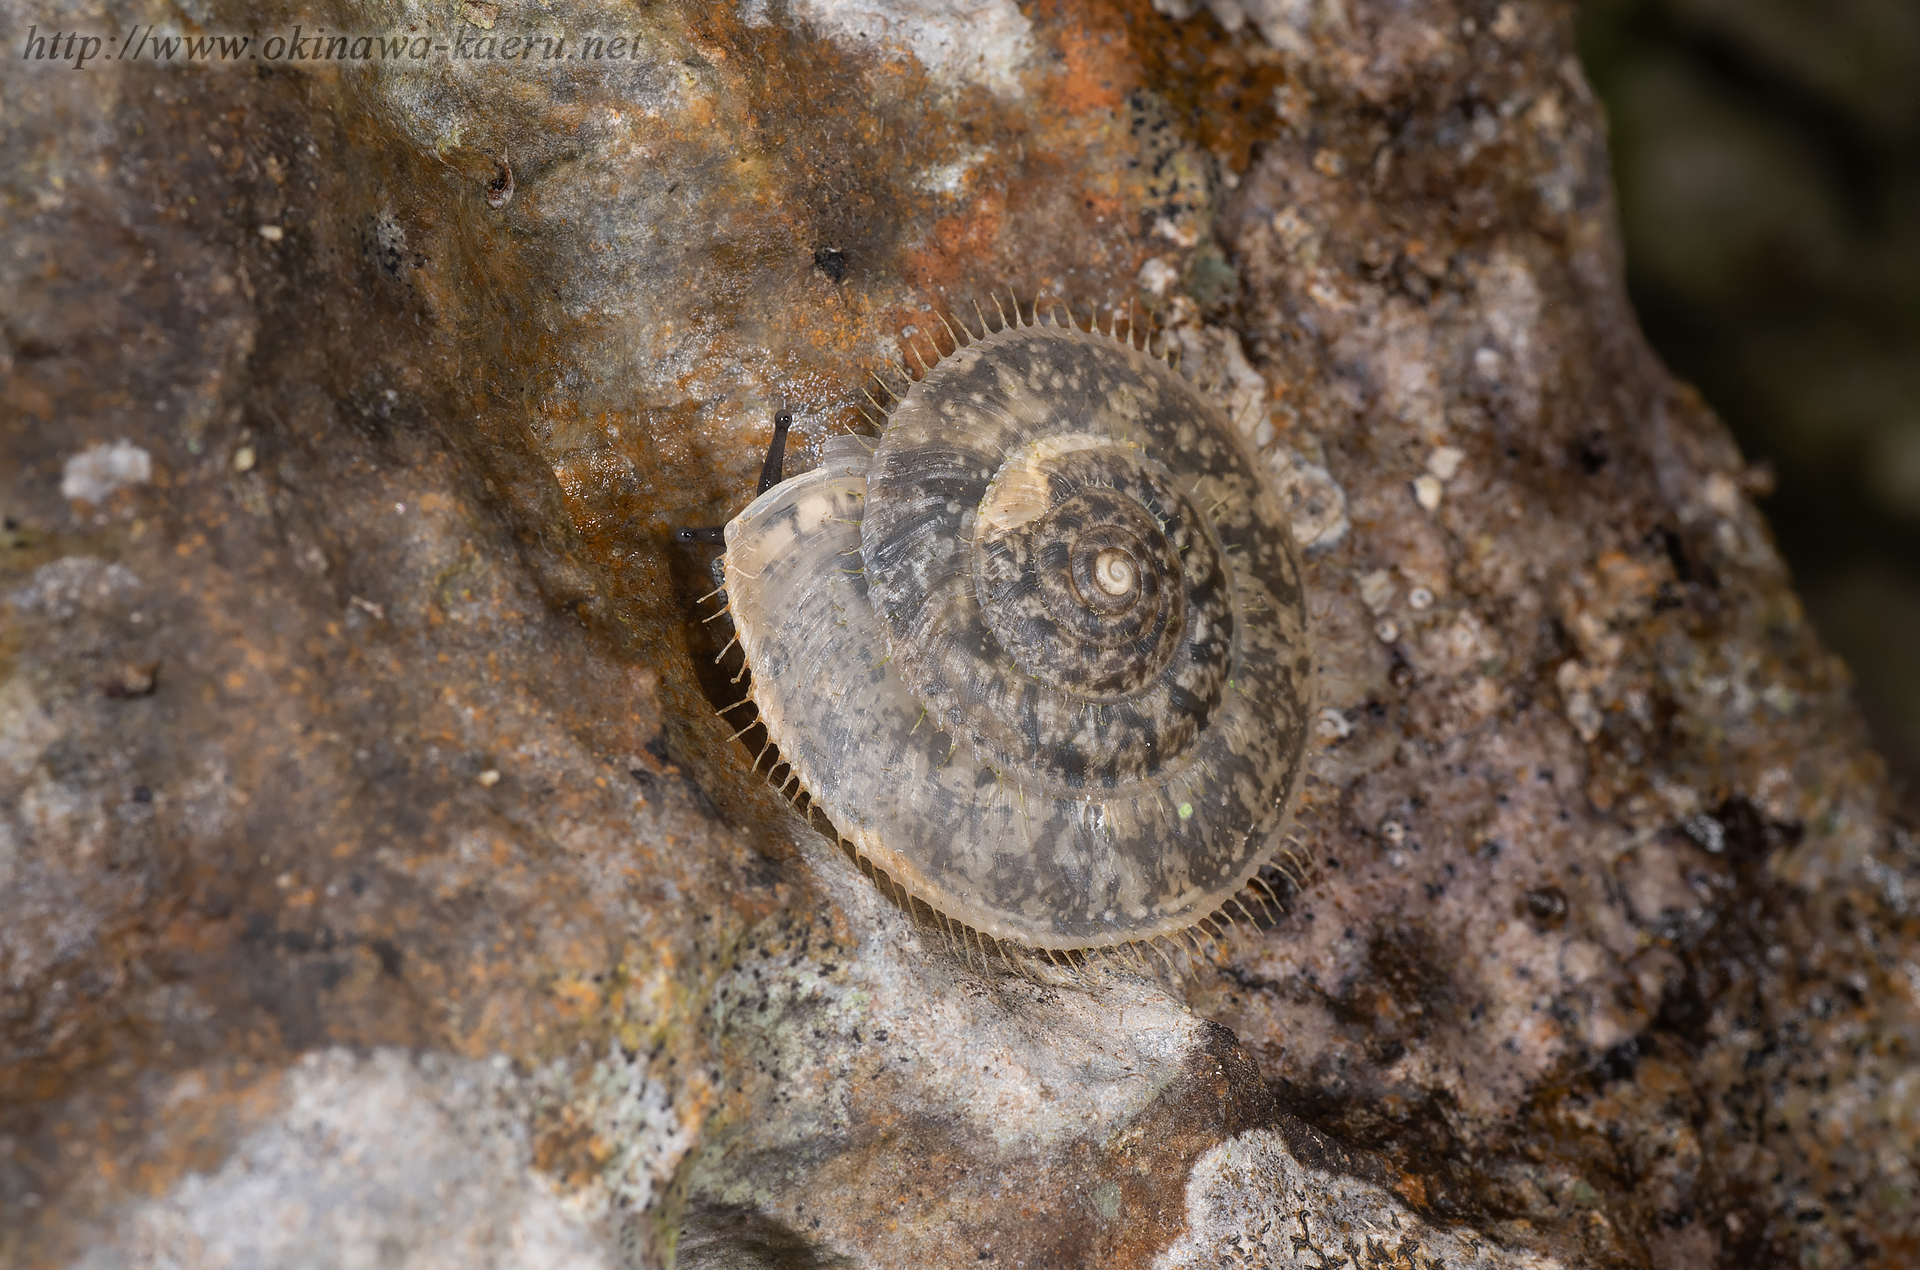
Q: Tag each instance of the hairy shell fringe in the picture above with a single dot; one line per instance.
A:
(1170, 959)
(1042, 310)
(1265, 897)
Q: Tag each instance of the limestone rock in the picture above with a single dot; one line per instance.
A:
(380, 884)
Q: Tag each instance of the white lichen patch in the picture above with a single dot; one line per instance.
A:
(1401, 337)
(64, 588)
(1251, 1204)
(973, 1053)
(982, 42)
(1285, 24)
(950, 178)
(1312, 498)
(381, 1160)
(634, 1114)
(1158, 276)
(100, 471)
(70, 841)
(1509, 297)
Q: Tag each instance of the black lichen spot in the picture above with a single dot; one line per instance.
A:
(832, 262)
(1619, 1062)
(1591, 454)
(388, 955)
(1739, 830)
(1677, 556)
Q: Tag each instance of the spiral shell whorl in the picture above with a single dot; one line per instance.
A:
(1063, 697)
(990, 472)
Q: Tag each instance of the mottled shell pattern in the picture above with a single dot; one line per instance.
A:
(1041, 656)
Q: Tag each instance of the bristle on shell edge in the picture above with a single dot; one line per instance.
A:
(915, 362)
(1260, 904)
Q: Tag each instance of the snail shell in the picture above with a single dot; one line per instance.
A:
(1042, 657)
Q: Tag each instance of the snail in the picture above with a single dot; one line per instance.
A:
(1039, 657)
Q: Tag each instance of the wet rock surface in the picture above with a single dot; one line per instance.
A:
(379, 884)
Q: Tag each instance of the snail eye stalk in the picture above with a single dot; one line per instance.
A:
(771, 474)
(770, 471)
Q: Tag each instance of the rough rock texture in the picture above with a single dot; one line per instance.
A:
(1764, 167)
(378, 885)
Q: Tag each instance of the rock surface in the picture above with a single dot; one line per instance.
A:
(378, 885)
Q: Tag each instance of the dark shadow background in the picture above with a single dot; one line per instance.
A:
(1767, 155)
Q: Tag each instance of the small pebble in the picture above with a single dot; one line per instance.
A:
(489, 778)
(1333, 725)
(244, 458)
(1720, 493)
(135, 679)
(272, 233)
(1426, 491)
(1376, 590)
(1547, 907)
(500, 188)
(1293, 231)
(1393, 831)
(1445, 462)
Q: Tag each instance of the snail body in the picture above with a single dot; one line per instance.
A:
(1041, 658)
